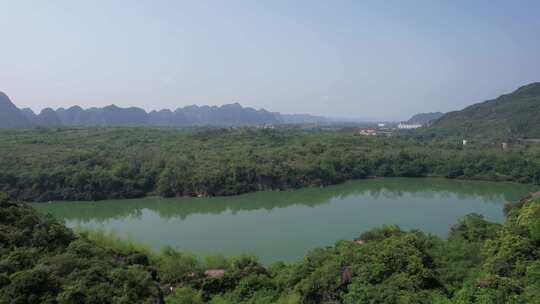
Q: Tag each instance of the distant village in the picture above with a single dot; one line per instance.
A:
(385, 128)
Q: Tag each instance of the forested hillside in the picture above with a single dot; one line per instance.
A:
(510, 116)
(425, 118)
(94, 164)
(41, 261)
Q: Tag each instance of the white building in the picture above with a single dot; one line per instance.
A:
(368, 132)
(406, 126)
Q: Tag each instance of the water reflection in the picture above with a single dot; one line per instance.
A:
(374, 189)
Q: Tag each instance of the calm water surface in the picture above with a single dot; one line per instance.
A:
(285, 225)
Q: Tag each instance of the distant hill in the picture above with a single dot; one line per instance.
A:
(116, 116)
(425, 118)
(28, 113)
(301, 118)
(47, 118)
(226, 115)
(10, 115)
(509, 116)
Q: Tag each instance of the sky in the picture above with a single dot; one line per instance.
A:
(377, 60)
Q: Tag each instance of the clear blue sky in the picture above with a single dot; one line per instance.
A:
(368, 59)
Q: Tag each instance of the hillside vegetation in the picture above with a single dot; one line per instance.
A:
(425, 118)
(41, 261)
(510, 116)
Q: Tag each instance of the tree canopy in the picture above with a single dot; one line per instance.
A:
(95, 164)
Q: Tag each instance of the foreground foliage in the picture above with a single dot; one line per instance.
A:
(41, 261)
(94, 164)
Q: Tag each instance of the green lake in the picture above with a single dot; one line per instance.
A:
(285, 225)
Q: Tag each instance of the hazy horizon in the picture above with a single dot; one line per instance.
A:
(371, 60)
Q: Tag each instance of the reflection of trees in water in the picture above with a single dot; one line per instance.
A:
(388, 188)
(436, 188)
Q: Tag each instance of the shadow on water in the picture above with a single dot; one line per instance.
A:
(387, 188)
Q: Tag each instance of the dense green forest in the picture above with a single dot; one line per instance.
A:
(41, 261)
(108, 163)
